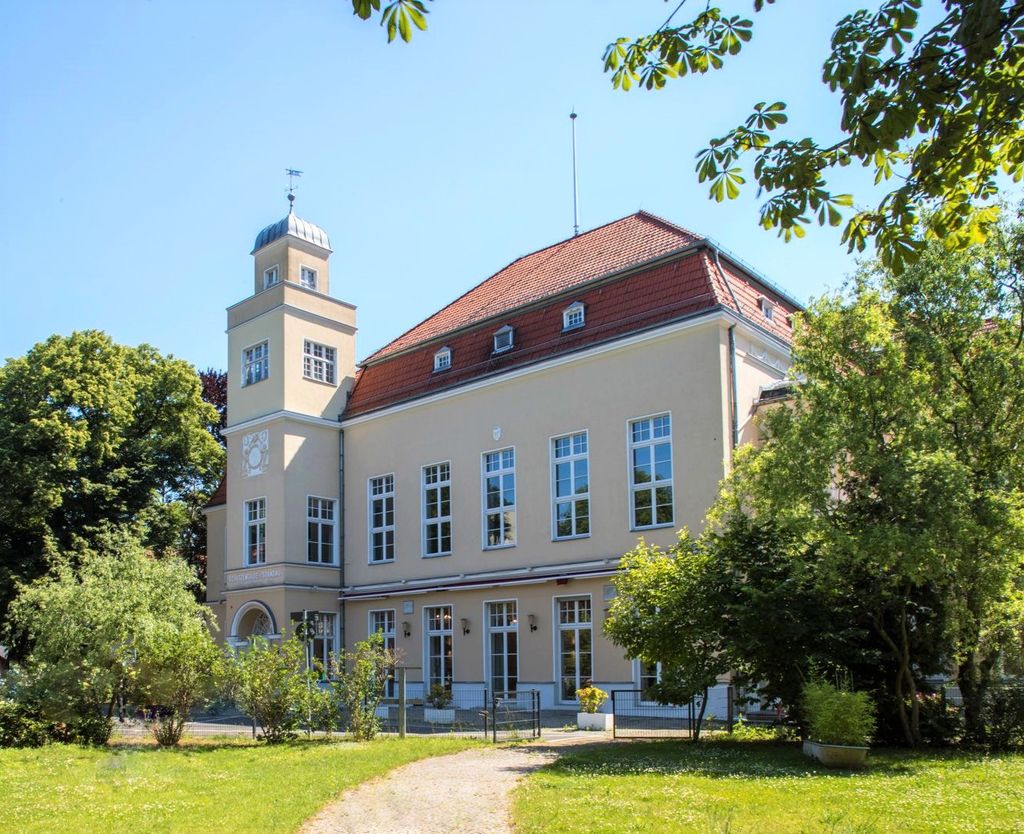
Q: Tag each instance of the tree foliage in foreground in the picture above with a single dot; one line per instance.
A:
(879, 529)
(95, 435)
(934, 113)
(113, 625)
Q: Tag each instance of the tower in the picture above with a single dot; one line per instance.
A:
(291, 364)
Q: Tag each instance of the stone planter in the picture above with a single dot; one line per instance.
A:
(594, 720)
(438, 716)
(836, 755)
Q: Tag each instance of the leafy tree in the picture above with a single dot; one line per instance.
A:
(665, 611)
(898, 462)
(268, 682)
(935, 114)
(119, 619)
(94, 434)
(361, 676)
(215, 392)
(181, 669)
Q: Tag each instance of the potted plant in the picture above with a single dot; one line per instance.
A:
(591, 699)
(440, 710)
(840, 723)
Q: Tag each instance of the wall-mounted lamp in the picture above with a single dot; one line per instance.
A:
(406, 629)
(465, 626)
(532, 619)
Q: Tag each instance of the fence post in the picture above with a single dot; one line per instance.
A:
(730, 694)
(536, 709)
(487, 709)
(401, 701)
(494, 716)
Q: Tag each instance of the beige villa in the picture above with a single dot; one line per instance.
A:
(469, 488)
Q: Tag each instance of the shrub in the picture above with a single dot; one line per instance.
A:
(941, 723)
(837, 715)
(362, 675)
(268, 685)
(19, 727)
(591, 698)
(1003, 716)
(439, 697)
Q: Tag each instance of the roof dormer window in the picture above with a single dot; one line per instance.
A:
(504, 339)
(767, 308)
(573, 316)
(270, 277)
(443, 359)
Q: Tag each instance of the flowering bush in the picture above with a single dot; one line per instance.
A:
(591, 698)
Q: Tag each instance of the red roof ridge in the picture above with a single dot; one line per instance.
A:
(552, 250)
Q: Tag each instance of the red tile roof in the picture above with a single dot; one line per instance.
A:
(612, 273)
(220, 494)
(609, 248)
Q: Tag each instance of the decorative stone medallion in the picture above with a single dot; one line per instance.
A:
(255, 453)
(496, 433)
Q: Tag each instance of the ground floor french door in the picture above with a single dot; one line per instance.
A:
(440, 670)
(575, 646)
(384, 622)
(503, 646)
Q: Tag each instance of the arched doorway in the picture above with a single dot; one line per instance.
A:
(253, 619)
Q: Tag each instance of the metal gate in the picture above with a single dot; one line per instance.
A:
(637, 718)
(513, 715)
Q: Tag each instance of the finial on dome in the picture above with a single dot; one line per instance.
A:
(292, 174)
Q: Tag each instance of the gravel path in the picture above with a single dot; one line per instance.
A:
(468, 792)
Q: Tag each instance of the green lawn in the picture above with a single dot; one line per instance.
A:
(226, 787)
(743, 788)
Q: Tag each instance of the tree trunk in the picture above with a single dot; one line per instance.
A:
(700, 715)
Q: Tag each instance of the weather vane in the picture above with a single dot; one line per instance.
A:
(292, 174)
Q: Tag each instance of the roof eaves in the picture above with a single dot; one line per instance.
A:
(754, 273)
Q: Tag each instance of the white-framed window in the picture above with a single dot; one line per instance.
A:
(649, 675)
(255, 531)
(255, 363)
(438, 619)
(503, 646)
(650, 472)
(570, 485)
(318, 634)
(318, 362)
(443, 359)
(573, 316)
(575, 645)
(499, 498)
(307, 277)
(767, 308)
(271, 276)
(382, 622)
(437, 509)
(320, 530)
(382, 518)
(504, 339)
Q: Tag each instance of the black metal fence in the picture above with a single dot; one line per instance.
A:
(515, 715)
(635, 717)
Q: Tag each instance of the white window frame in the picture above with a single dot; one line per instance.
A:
(501, 473)
(439, 519)
(328, 637)
(443, 359)
(271, 276)
(385, 528)
(638, 666)
(320, 521)
(570, 313)
(498, 340)
(490, 629)
(319, 368)
(448, 674)
(767, 307)
(653, 485)
(258, 521)
(571, 459)
(557, 628)
(247, 363)
(308, 270)
(390, 641)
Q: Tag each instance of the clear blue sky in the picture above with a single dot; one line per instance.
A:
(144, 145)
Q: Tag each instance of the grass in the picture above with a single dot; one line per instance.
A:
(201, 787)
(742, 788)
